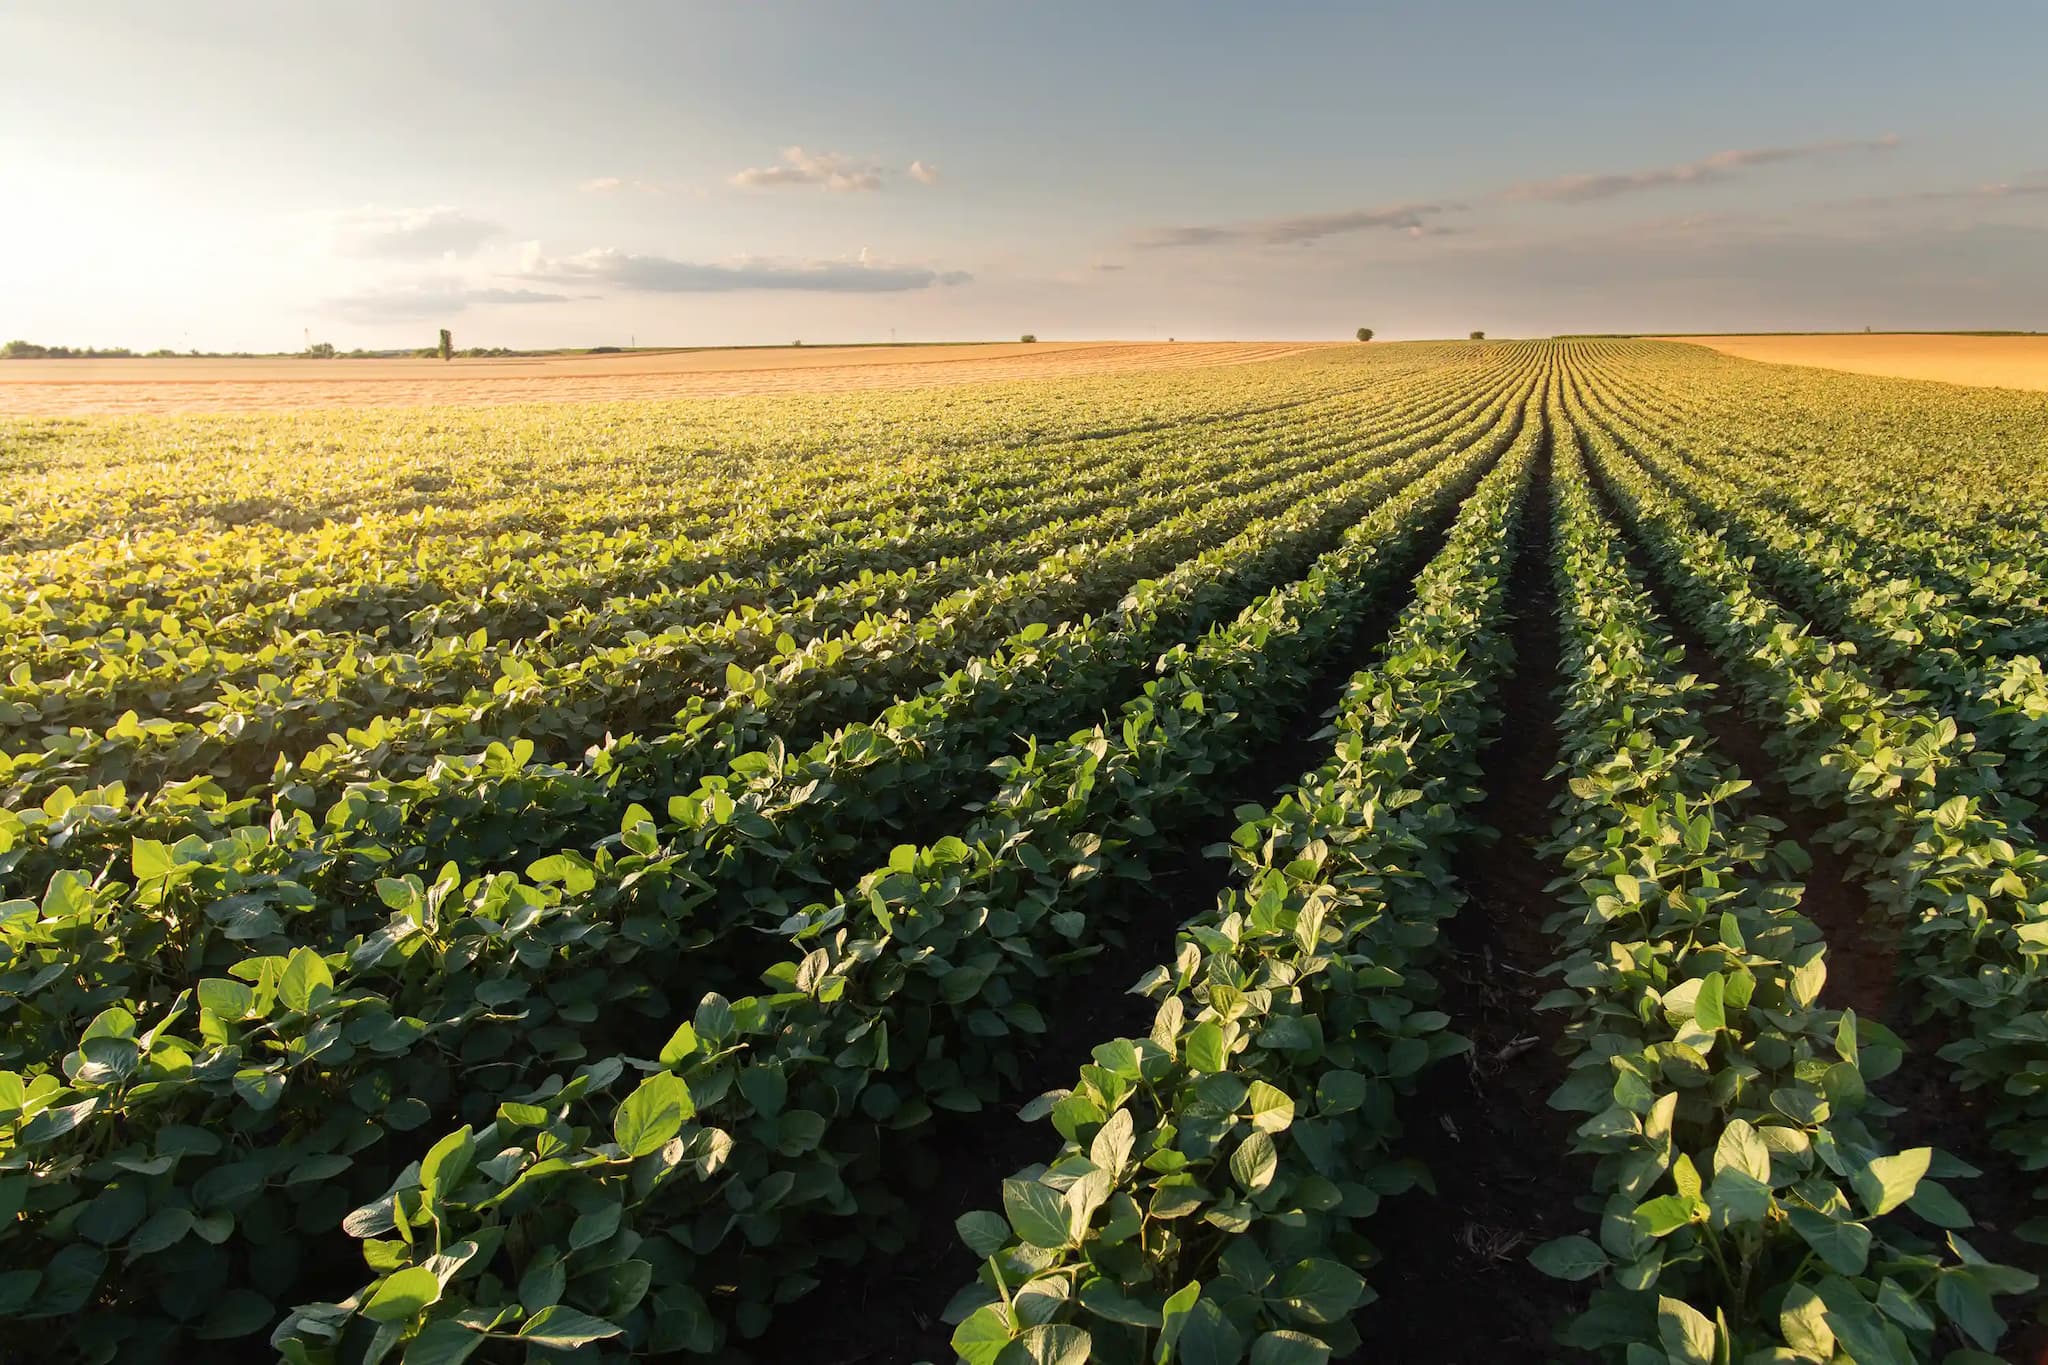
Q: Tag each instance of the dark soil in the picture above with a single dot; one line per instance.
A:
(1455, 1285)
(889, 1310)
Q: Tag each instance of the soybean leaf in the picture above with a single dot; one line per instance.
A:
(652, 1114)
(1037, 1211)
(402, 1295)
(1570, 1258)
(566, 1328)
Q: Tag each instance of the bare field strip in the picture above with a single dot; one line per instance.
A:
(63, 387)
(2008, 362)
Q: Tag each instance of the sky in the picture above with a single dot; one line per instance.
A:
(250, 176)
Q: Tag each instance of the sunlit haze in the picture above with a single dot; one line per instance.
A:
(227, 176)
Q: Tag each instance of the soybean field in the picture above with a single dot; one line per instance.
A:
(1437, 852)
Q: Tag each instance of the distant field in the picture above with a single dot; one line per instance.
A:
(2006, 362)
(60, 387)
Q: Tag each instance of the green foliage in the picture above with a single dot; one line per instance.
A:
(1212, 1171)
(519, 873)
(1726, 1105)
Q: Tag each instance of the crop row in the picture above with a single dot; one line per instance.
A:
(1921, 806)
(1751, 1210)
(1205, 1196)
(805, 689)
(794, 542)
(1054, 792)
(286, 712)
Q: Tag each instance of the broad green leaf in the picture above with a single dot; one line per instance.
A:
(981, 1337)
(1048, 1344)
(984, 1233)
(1665, 1214)
(1686, 1334)
(1570, 1258)
(402, 1295)
(1741, 1149)
(226, 999)
(1803, 1323)
(1209, 1338)
(1844, 1245)
(652, 1114)
(305, 976)
(1103, 1297)
(566, 1328)
(1037, 1212)
(1708, 1011)
(1203, 1047)
(1968, 1305)
(1111, 1148)
(442, 1342)
(1272, 1108)
(445, 1165)
(1341, 1092)
(1253, 1163)
(1288, 1348)
(1889, 1181)
(149, 859)
(1319, 1291)
(1174, 1319)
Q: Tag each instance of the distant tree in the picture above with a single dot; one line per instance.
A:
(1365, 334)
(796, 343)
(1479, 336)
(447, 344)
(1029, 336)
(29, 350)
(320, 350)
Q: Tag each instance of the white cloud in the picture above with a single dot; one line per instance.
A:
(924, 173)
(615, 184)
(1574, 189)
(422, 299)
(662, 275)
(412, 234)
(1302, 229)
(799, 167)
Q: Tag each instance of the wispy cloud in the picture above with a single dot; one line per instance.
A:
(412, 234)
(798, 167)
(1417, 220)
(422, 299)
(2036, 183)
(616, 184)
(1578, 189)
(662, 275)
(827, 170)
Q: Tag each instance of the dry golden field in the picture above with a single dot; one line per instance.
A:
(2007, 362)
(58, 387)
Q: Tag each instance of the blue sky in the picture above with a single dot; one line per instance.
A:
(236, 175)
